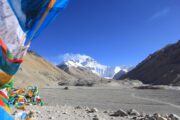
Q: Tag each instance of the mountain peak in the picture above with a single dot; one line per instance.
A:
(78, 59)
(89, 63)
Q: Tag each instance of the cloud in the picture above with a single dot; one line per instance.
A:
(75, 57)
(159, 14)
(66, 57)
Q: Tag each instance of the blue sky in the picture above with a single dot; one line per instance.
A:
(114, 32)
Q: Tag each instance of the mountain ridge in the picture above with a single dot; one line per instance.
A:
(89, 63)
(35, 70)
(160, 68)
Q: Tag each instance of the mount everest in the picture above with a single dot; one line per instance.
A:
(90, 64)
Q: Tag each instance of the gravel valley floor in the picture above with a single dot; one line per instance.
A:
(62, 104)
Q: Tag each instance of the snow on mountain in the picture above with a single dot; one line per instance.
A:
(84, 61)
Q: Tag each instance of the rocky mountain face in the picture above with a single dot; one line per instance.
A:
(89, 64)
(37, 71)
(84, 76)
(119, 74)
(161, 68)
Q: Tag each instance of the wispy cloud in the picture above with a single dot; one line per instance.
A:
(74, 57)
(65, 57)
(159, 14)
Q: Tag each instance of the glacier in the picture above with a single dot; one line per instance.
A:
(89, 63)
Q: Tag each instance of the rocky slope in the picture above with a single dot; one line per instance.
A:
(37, 71)
(79, 73)
(119, 74)
(83, 75)
(162, 67)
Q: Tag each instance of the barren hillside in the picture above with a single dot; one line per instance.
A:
(161, 68)
(37, 71)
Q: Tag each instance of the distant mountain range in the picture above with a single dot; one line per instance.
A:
(160, 68)
(89, 64)
(35, 70)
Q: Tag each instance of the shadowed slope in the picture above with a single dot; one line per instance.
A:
(162, 67)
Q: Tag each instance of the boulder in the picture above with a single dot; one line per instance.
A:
(133, 112)
(93, 110)
(66, 88)
(174, 117)
(96, 117)
(120, 113)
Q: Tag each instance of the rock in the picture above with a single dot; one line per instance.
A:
(148, 117)
(166, 116)
(134, 118)
(142, 114)
(78, 107)
(133, 112)
(96, 117)
(118, 113)
(174, 117)
(105, 112)
(31, 114)
(156, 115)
(38, 112)
(93, 110)
(65, 113)
(162, 118)
(66, 88)
(15, 112)
(51, 118)
(62, 83)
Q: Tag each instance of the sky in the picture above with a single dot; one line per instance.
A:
(114, 32)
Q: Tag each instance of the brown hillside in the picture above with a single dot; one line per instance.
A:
(37, 71)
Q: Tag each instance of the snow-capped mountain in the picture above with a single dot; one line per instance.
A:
(84, 61)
